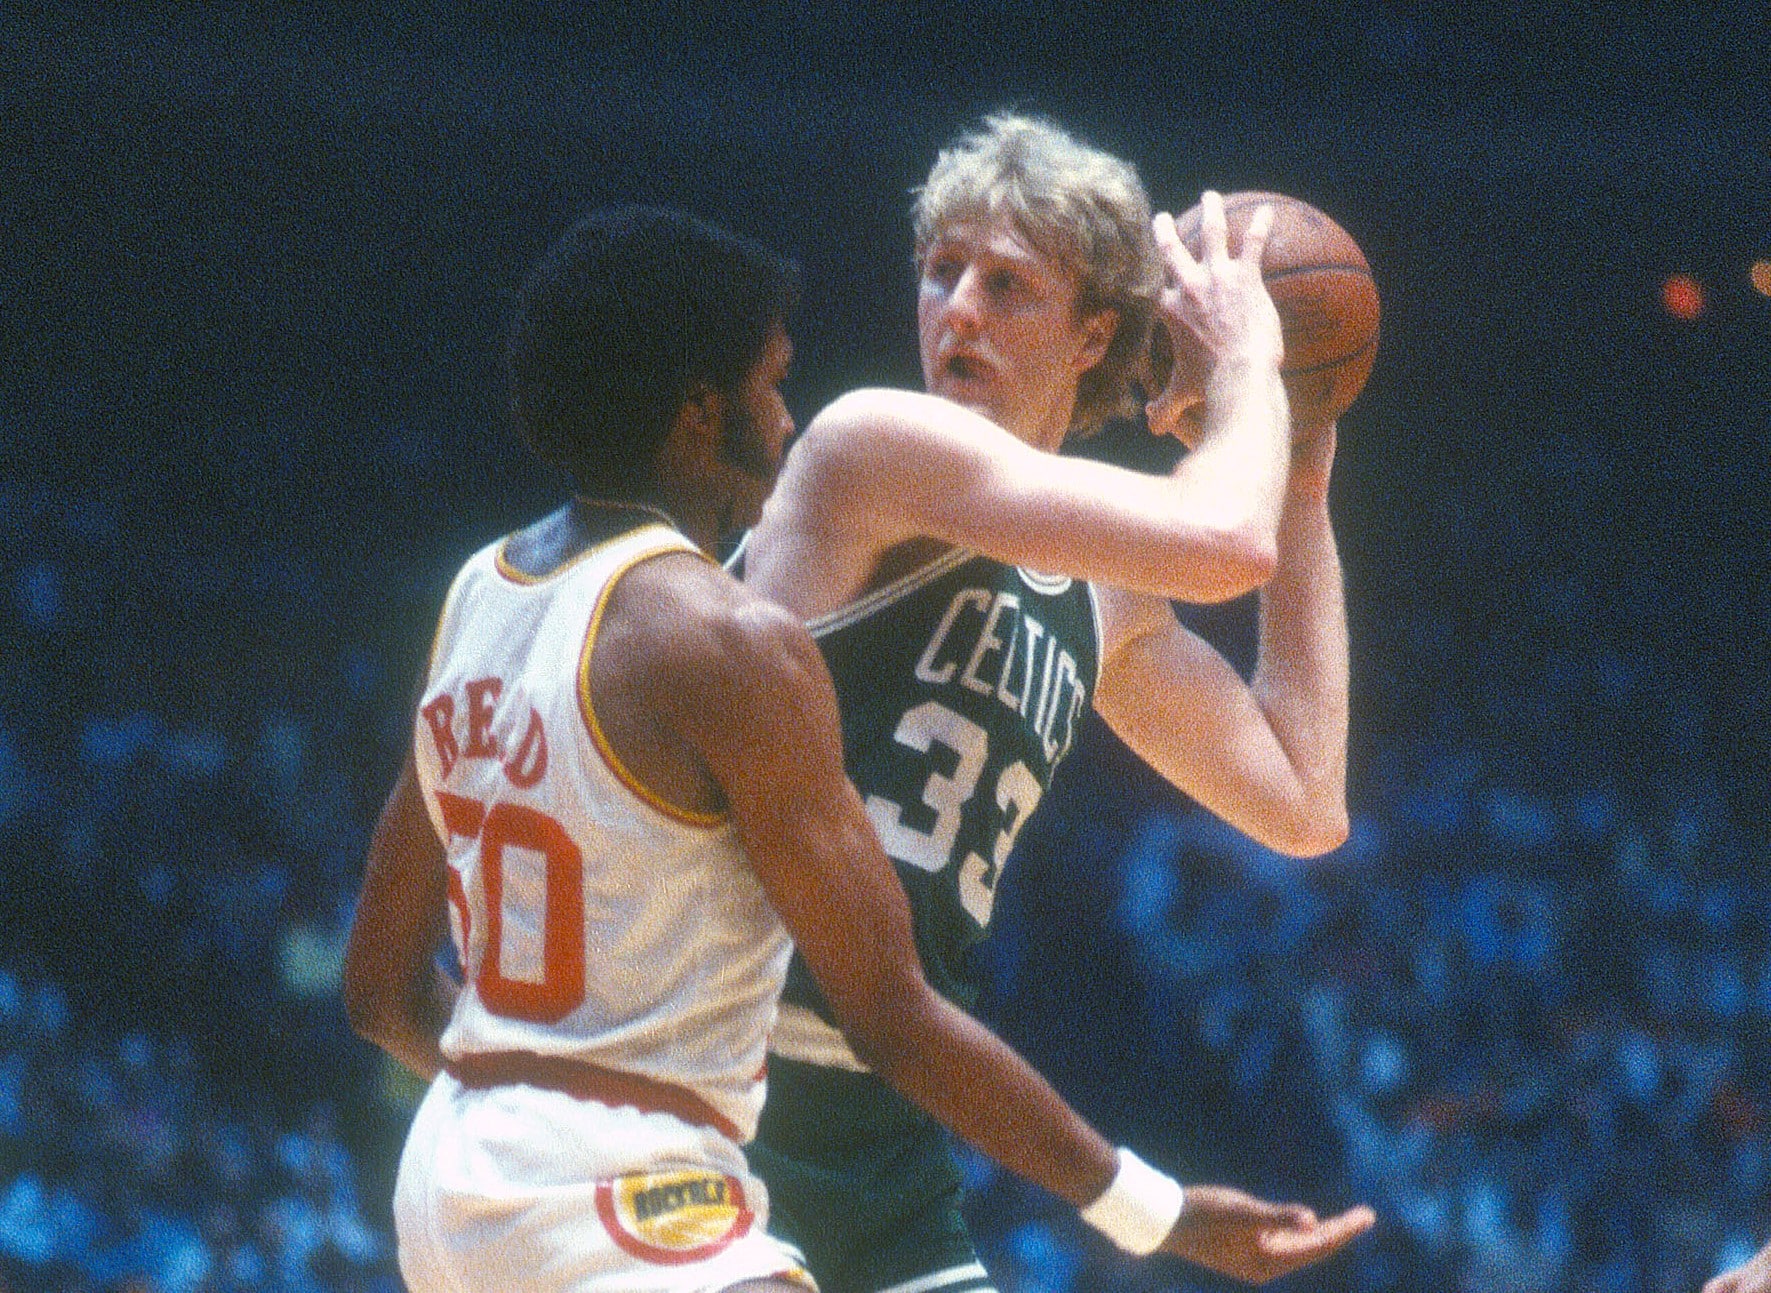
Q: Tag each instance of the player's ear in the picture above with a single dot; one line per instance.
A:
(695, 431)
(704, 410)
(1098, 330)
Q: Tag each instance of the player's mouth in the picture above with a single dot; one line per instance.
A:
(965, 368)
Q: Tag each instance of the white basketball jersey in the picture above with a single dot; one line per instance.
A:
(593, 920)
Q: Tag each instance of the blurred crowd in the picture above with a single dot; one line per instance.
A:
(1524, 1011)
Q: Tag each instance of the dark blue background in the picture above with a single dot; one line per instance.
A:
(253, 266)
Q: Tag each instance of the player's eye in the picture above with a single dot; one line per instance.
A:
(1004, 283)
(944, 270)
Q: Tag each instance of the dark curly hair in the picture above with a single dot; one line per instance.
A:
(624, 317)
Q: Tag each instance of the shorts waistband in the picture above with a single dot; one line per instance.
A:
(585, 1081)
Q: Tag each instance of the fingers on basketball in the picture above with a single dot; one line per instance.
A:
(1254, 238)
(1181, 264)
(1321, 285)
(1214, 226)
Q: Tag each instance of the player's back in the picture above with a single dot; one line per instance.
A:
(596, 921)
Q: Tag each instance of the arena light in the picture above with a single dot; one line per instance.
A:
(1683, 296)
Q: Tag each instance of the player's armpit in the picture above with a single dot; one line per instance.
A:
(394, 994)
(1181, 707)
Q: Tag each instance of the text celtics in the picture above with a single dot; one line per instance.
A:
(998, 650)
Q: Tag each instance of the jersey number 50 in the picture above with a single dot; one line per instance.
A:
(560, 989)
(1017, 794)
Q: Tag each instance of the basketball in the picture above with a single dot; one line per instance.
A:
(1326, 297)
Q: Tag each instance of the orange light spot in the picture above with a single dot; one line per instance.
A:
(1683, 296)
(1761, 277)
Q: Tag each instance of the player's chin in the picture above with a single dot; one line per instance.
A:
(971, 395)
(744, 508)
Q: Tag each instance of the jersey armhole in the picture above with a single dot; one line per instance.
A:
(1100, 623)
(587, 709)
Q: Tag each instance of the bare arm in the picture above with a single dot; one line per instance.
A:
(1268, 756)
(1750, 1277)
(394, 993)
(758, 705)
(878, 467)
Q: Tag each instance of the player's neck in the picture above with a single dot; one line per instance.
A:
(1047, 433)
(698, 513)
(605, 513)
(538, 550)
(1045, 427)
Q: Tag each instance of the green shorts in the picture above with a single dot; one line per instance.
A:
(863, 1182)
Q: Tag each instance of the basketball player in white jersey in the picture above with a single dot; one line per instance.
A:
(624, 765)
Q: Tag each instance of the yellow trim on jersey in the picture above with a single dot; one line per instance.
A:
(597, 736)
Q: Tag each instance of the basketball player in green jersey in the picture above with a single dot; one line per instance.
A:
(972, 592)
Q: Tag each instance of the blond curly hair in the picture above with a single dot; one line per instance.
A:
(1079, 206)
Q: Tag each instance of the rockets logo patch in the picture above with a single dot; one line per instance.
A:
(673, 1217)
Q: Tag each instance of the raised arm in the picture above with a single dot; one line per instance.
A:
(394, 993)
(881, 466)
(1268, 756)
(878, 467)
(752, 696)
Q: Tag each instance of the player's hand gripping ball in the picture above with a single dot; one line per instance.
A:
(1327, 300)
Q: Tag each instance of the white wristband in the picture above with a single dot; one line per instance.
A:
(1139, 1208)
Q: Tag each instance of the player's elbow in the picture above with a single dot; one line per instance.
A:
(1251, 557)
(1237, 561)
(893, 1024)
(1313, 834)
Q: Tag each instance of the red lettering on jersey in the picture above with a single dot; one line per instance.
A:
(461, 815)
(561, 989)
(440, 714)
(482, 697)
(529, 764)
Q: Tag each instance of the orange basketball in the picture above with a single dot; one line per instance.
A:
(1327, 300)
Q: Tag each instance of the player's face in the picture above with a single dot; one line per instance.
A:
(1000, 332)
(756, 427)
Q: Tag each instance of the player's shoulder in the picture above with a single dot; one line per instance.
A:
(853, 472)
(855, 424)
(703, 621)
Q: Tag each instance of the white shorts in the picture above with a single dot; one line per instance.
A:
(518, 1188)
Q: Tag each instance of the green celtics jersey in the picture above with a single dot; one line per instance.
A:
(961, 685)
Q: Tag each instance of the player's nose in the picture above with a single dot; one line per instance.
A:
(963, 309)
